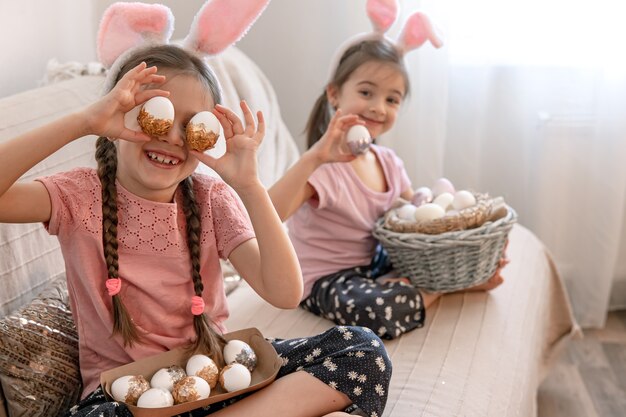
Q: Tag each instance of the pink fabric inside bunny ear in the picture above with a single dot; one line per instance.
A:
(382, 13)
(126, 25)
(221, 23)
(417, 30)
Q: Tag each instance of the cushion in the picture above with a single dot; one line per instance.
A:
(39, 370)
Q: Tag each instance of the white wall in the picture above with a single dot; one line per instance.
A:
(291, 42)
(33, 31)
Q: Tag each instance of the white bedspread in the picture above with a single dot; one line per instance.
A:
(479, 354)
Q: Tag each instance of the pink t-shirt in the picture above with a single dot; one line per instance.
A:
(336, 233)
(154, 265)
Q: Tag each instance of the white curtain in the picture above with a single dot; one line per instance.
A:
(528, 100)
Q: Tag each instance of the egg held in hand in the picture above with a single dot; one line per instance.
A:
(156, 116)
(202, 131)
(358, 139)
(129, 388)
(237, 351)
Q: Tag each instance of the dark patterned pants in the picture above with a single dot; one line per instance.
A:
(354, 297)
(352, 360)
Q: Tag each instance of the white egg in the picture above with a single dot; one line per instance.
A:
(191, 388)
(204, 367)
(234, 377)
(160, 108)
(429, 211)
(202, 131)
(358, 139)
(128, 388)
(406, 212)
(240, 352)
(156, 398)
(156, 116)
(167, 377)
(444, 200)
(442, 185)
(451, 213)
(463, 199)
(422, 195)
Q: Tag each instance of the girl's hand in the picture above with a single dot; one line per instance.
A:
(106, 116)
(331, 146)
(238, 166)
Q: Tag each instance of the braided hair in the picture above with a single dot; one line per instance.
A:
(178, 60)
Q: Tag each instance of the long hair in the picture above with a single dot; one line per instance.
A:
(376, 50)
(177, 60)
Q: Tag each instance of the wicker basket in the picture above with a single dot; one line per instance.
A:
(447, 261)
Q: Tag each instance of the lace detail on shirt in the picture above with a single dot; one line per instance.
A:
(148, 227)
(229, 216)
(81, 200)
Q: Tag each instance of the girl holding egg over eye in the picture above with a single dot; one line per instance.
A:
(332, 197)
(142, 235)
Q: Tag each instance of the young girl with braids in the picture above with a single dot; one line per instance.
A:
(142, 237)
(332, 198)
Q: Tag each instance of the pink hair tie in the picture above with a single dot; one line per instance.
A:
(197, 305)
(114, 285)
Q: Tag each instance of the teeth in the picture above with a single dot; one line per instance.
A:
(162, 159)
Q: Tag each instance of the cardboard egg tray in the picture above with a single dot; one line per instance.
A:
(268, 365)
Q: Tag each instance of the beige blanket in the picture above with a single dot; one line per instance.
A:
(479, 354)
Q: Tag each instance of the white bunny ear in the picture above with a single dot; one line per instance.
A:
(382, 13)
(417, 30)
(221, 23)
(126, 25)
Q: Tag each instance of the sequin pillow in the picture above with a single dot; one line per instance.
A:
(39, 369)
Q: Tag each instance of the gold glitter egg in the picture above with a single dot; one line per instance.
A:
(129, 388)
(156, 116)
(190, 388)
(204, 367)
(202, 131)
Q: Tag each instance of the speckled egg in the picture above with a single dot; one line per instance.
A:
(204, 367)
(129, 388)
(167, 377)
(190, 388)
(238, 351)
(235, 377)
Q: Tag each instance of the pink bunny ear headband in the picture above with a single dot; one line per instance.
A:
(383, 13)
(127, 27)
